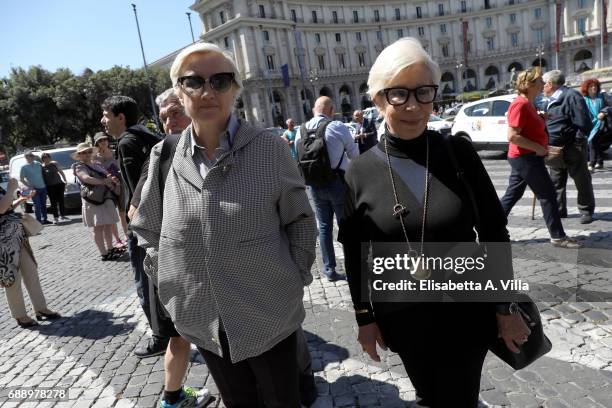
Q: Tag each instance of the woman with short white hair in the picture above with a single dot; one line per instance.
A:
(235, 236)
(418, 198)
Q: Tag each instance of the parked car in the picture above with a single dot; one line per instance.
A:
(484, 122)
(4, 177)
(441, 125)
(61, 155)
(452, 111)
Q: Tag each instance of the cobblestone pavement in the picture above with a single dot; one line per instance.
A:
(89, 351)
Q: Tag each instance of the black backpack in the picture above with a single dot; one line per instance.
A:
(165, 160)
(313, 159)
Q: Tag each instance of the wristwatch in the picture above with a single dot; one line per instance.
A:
(507, 309)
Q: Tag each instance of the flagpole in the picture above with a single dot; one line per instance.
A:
(601, 32)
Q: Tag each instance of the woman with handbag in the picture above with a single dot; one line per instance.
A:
(55, 180)
(99, 192)
(596, 101)
(17, 262)
(528, 146)
(420, 197)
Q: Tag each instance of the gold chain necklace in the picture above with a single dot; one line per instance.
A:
(399, 211)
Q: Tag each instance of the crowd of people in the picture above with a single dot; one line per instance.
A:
(221, 233)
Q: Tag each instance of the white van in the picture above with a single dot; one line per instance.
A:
(484, 122)
(61, 155)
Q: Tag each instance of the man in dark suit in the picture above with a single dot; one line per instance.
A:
(365, 132)
(568, 124)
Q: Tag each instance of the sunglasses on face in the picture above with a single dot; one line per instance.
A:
(399, 96)
(194, 84)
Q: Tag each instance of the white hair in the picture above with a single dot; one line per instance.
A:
(555, 77)
(403, 53)
(203, 47)
(167, 95)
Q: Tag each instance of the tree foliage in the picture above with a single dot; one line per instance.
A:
(39, 107)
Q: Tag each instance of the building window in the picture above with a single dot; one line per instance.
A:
(581, 25)
(510, 2)
(226, 42)
(318, 38)
(321, 60)
(489, 22)
(581, 4)
(512, 18)
(398, 14)
(358, 37)
(262, 11)
(376, 16)
(315, 19)
(335, 17)
(537, 13)
(293, 16)
(463, 6)
(222, 17)
(338, 38)
(443, 28)
(490, 44)
(270, 60)
(266, 35)
(400, 33)
(539, 36)
(379, 36)
(341, 63)
(445, 50)
(419, 12)
(361, 57)
(440, 9)
(514, 39)
(487, 4)
(355, 16)
(421, 32)
(469, 46)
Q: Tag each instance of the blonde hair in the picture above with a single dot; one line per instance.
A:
(203, 48)
(526, 78)
(403, 53)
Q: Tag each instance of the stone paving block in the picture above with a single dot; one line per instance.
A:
(555, 403)
(104, 402)
(494, 397)
(523, 400)
(152, 389)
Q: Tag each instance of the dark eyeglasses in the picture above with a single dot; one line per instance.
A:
(194, 84)
(399, 96)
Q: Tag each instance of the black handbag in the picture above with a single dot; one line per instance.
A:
(537, 343)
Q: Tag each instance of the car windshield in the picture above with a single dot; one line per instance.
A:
(433, 118)
(63, 158)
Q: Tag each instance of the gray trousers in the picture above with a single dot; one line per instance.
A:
(574, 164)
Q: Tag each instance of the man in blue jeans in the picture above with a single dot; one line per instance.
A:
(31, 175)
(329, 199)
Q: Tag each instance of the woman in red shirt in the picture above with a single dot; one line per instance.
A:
(528, 145)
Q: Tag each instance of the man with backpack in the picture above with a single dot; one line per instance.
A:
(322, 146)
(120, 119)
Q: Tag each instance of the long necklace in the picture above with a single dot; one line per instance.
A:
(399, 211)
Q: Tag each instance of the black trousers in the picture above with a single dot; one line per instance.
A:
(529, 170)
(575, 164)
(160, 324)
(595, 151)
(269, 379)
(442, 347)
(56, 196)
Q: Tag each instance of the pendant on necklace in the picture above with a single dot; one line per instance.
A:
(420, 271)
(399, 210)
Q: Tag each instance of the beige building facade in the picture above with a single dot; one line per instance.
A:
(329, 46)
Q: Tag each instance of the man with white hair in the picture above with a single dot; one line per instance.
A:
(328, 198)
(568, 124)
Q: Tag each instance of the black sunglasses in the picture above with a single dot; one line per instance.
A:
(220, 82)
(399, 96)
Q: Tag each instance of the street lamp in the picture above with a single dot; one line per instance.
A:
(190, 27)
(540, 54)
(313, 78)
(459, 68)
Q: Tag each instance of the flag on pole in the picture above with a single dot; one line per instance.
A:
(285, 72)
(558, 26)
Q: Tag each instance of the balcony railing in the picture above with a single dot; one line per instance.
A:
(379, 19)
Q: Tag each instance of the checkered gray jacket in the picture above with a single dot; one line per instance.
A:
(236, 246)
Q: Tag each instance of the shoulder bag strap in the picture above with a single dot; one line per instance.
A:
(165, 159)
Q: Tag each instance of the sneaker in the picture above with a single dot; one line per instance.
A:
(190, 398)
(62, 218)
(152, 349)
(46, 222)
(599, 166)
(55, 221)
(591, 168)
(586, 219)
(333, 276)
(566, 242)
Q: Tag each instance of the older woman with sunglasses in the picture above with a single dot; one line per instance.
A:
(418, 198)
(235, 234)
